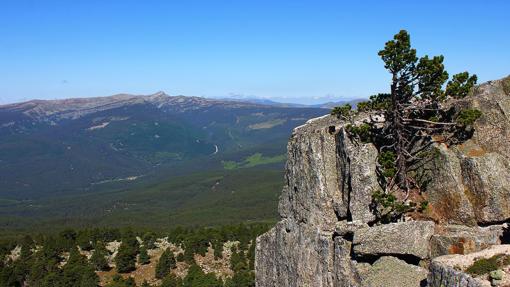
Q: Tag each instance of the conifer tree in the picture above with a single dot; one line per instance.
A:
(165, 264)
(143, 257)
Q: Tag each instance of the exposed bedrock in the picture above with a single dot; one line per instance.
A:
(327, 235)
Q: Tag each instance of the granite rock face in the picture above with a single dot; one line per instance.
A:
(294, 255)
(313, 194)
(359, 179)
(327, 235)
(471, 181)
(301, 249)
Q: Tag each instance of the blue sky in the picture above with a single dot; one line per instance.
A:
(300, 51)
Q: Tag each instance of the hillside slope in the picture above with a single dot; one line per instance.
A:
(67, 146)
(129, 159)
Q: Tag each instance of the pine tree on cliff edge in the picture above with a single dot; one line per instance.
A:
(413, 111)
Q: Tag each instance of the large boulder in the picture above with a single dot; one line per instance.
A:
(391, 271)
(404, 238)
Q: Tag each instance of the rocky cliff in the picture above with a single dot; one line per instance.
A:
(327, 235)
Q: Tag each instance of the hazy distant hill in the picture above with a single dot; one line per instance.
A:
(326, 105)
(53, 152)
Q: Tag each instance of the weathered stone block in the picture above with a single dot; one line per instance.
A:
(405, 238)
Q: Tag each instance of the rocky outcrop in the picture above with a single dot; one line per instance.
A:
(470, 182)
(327, 235)
(313, 193)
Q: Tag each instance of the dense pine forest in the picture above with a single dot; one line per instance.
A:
(219, 256)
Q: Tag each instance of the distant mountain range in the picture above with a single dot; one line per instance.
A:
(326, 105)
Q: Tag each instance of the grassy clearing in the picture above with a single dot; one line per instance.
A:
(252, 161)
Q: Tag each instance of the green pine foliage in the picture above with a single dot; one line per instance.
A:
(468, 117)
(125, 260)
(171, 280)
(78, 271)
(118, 281)
(98, 258)
(143, 257)
(42, 256)
(165, 264)
(197, 278)
(387, 162)
(379, 102)
(460, 85)
(342, 112)
(241, 279)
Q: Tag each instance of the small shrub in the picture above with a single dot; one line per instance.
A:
(364, 106)
(143, 257)
(424, 205)
(362, 132)
(180, 257)
(485, 265)
(342, 112)
(468, 116)
(388, 208)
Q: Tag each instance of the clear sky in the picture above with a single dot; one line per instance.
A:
(305, 51)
